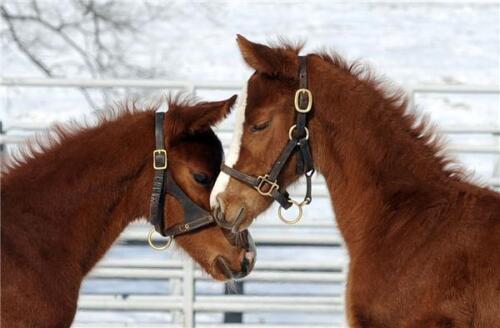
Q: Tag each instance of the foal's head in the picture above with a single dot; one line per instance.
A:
(265, 114)
(194, 159)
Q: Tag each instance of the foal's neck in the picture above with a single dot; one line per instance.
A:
(87, 189)
(375, 161)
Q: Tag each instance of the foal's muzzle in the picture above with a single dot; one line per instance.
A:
(245, 241)
(220, 217)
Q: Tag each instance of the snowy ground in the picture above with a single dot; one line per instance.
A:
(410, 43)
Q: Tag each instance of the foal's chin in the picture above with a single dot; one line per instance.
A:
(224, 269)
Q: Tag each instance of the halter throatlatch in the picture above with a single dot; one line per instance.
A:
(194, 216)
(298, 134)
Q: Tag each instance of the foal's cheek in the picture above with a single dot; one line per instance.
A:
(174, 213)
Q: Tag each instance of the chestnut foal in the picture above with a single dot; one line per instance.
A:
(424, 243)
(64, 206)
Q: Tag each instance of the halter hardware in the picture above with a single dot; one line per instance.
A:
(298, 135)
(160, 161)
(195, 217)
(156, 247)
(292, 129)
(299, 214)
(263, 182)
(296, 101)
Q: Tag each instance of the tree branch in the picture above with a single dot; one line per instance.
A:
(22, 47)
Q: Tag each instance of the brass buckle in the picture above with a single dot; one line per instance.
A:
(263, 180)
(309, 100)
(157, 152)
(156, 247)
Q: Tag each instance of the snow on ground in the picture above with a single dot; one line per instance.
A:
(410, 43)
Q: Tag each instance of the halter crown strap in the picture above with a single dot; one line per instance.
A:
(160, 165)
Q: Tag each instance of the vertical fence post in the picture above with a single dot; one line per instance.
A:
(188, 293)
(233, 317)
(178, 315)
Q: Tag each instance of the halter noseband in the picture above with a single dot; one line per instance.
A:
(194, 216)
(267, 185)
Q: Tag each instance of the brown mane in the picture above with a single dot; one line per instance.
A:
(37, 145)
(419, 124)
(396, 99)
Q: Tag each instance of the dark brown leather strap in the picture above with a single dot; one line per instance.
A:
(156, 207)
(282, 160)
(238, 175)
(194, 216)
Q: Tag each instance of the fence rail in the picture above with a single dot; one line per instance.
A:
(184, 274)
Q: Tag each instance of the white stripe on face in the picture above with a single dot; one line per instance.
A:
(234, 150)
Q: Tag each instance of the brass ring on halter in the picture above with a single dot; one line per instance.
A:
(294, 220)
(309, 100)
(290, 132)
(155, 247)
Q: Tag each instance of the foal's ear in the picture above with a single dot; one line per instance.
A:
(281, 61)
(200, 117)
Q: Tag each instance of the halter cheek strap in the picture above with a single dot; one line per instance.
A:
(267, 185)
(160, 164)
(194, 216)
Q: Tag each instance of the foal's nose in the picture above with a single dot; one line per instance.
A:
(235, 223)
(249, 257)
(219, 216)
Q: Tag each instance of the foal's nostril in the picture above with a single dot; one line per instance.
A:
(218, 214)
(238, 221)
(245, 266)
(250, 256)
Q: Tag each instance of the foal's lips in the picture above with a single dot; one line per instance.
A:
(244, 240)
(223, 267)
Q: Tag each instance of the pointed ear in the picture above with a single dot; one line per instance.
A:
(282, 61)
(199, 117)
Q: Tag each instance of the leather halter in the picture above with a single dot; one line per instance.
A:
(267, 185)
(194, 216)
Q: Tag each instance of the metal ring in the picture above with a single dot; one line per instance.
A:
(290, 132)
(294, 220)
(158, 248)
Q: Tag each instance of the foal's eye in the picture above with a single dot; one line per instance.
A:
(201, 178)
(260, 126)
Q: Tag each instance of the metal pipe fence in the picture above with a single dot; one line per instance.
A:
(184, 301)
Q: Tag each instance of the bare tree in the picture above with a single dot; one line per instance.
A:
(94, 39)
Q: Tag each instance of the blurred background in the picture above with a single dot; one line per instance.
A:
(63, 60)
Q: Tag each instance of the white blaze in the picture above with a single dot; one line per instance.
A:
(234, 150)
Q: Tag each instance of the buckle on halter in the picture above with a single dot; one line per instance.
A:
(309, 100)
(264, 181)
(160, 161)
